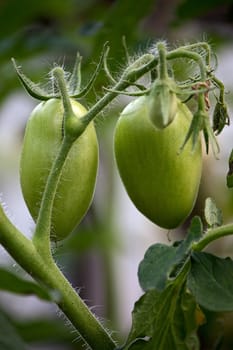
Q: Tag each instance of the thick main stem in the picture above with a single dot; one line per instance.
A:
(25, 253)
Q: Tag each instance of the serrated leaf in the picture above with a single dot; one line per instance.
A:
(12, 283)
(9, 338)
(213, 215)
(162, 262)
(166, 320)
(210, 280)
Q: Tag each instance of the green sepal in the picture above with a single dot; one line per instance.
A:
(195, 127)
(32, 88)
(73, 82)
(162, 103)
(200, 122)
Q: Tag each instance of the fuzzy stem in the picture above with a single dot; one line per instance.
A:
(58, 73)
(211, 235)
(162, 64)
(41, 237)
(138, 68)
(204, 45)
(47, 273)
(179, 53)
(17, 245)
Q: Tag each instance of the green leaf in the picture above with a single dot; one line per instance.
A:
(210, 280)
(213, 215)
(9, 339)
(156, 267)
(162, 262)
(164, 320)
(12, 283)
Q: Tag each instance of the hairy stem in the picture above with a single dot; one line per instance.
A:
(211, 235)
(179, 53)
(41, 237)
(47, 273)
(162, 64)
(138, 68)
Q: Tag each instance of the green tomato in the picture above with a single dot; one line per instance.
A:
(43, 137)
(161, 181)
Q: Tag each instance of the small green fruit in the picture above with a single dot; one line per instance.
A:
(42, 140)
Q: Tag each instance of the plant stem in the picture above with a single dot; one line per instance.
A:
(211, 235)
(162, 64)
(89, 328)
(204, 45)
(141, 66)
(17, 245)
(27, 256)
(41, 237)
(178, 53)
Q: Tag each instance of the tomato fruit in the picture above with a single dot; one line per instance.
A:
(43, 137)
(161, 180)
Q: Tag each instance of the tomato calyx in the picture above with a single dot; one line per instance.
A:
(73, 127)
(73, 81)
(162, 103)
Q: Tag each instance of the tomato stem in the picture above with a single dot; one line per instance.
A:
(211, 235)
(137, 69)
(162, 64)
(41, 237)
(26, 254)
(58, 73)
(178, 53)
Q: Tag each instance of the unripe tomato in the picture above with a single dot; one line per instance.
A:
(43, 137)
(161, 181)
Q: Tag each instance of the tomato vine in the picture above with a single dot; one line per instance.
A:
(158, 128)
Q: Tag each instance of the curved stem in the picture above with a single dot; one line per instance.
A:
(199, 45)
(41, 237)
(27, 256)
(138, 68)
(178, 53)
(17, 245)
(211, 235)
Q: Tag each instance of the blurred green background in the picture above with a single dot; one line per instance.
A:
(102, 256)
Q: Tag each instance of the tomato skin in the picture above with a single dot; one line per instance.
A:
(43, 137)
(161, 181)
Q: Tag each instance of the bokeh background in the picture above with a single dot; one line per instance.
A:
(102, 255)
